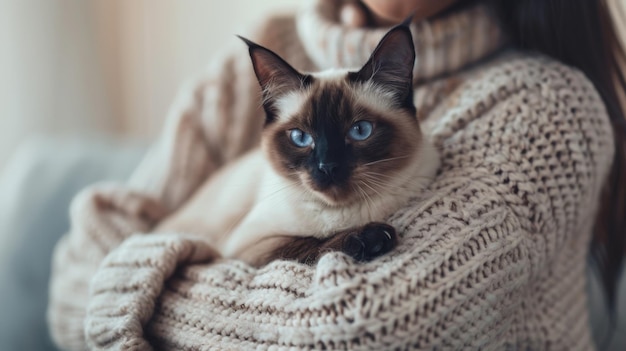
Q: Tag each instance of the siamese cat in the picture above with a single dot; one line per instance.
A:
(340, 151)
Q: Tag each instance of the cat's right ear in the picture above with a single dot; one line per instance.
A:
(275, 76)
(391, 64)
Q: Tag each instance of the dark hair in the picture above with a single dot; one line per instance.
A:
(582, 34)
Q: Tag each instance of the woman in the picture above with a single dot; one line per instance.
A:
(522, 100)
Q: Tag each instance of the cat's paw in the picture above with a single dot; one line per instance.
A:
(373, 240)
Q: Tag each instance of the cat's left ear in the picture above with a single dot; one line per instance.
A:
(275, 76)
(391, 64)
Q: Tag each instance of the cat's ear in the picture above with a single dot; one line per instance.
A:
(391, 64)
(275, 76)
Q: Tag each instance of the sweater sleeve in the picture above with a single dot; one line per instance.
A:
(523, 157)
(521, 165)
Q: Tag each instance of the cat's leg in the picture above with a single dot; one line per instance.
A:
(363, 244)
(371, 241)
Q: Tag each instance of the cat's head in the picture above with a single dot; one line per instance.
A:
(345, 135)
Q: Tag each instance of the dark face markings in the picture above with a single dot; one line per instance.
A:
(333, 163)
(332, 159)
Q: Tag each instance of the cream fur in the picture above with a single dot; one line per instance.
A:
(249, 202)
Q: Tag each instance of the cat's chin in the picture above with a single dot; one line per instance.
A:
(331, 196)
(335, 197)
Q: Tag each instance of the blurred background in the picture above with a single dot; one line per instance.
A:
(76, 67)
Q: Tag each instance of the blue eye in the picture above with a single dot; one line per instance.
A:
(361, 130)
(300, 138)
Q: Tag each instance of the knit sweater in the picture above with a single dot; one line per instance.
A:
(491, 257)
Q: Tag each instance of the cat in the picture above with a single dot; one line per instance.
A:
(341, 150)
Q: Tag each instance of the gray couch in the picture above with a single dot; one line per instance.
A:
(36, 188)
(37, 185)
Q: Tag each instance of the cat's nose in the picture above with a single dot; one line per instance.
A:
(328, 168)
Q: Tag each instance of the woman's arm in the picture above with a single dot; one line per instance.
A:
(520, 164)
(494, 249)
(458, 274)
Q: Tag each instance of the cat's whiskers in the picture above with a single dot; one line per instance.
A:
(381, 175)
(289, 187)
(393, 189)
(372, 189)
(286, 187)
(386, 160)
(367, 200)
(392, 177)
(382, 185)
(355, 188)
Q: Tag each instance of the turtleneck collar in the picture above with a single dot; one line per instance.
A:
(443, 45)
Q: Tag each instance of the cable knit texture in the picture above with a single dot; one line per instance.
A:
(491, 257)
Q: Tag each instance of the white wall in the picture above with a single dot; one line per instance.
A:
(158, 44)
(106, 66)
(49, 75)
